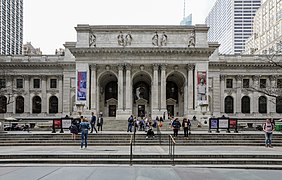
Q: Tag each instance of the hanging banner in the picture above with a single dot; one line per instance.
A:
(81, 86)
(202, 88)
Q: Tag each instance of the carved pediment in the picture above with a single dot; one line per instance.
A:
(141, 101)
(170, 101)
(112, 101)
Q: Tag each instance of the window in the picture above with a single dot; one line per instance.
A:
(246, 83)
(279, 83)
(53, 83)
(36, 83)
(245, 102)
(229, 83)
(2, 83)
(279, 104)
(36, 104)
(53, 104)
(262, 104)
(3, 104)
(19, 83)
(19, 104)
(262, 83)
(228, 105)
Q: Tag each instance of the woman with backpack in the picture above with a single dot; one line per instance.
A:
(268, 128)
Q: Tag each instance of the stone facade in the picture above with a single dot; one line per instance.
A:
(140, 70)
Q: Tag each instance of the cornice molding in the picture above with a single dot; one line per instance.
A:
(240, 64)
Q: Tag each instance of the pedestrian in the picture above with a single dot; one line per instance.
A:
(84, 126)
(176, 126)
(150, 132)
(74, 129)
(130, 123)
(93, 122)
(100, 122)
(185, 125)
(268, 128)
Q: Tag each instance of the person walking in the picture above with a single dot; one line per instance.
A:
(100, 122)
(84, 126)
(176, 126)
(268, 128)
(185, 125)
(93, 122)
(74, 129)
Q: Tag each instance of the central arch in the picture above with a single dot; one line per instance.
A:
(108, 99)
(141, 92)
(175, 82)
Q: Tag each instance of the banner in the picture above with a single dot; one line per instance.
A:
(81, 86)
(202, 87)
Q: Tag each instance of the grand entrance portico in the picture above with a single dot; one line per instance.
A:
(142, 70)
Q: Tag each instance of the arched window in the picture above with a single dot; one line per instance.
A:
(53, 104)
(229, 105)
(262, 104)
(171, 90)
(245, 104)
(279, 104)
(19, 104)
(36, 104)
(111, 90)
(3, 104)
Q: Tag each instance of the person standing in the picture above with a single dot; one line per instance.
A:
(176, 126)
(130, 123)
(74, 129)
(93, 122)
(268, 129)
(84, 126)
(185, 125)
(100, 122)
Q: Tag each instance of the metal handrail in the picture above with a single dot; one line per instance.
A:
(171, 148)
(131, 150)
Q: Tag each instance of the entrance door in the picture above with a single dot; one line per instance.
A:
(112, 110)
(141, 111)
(170, 110)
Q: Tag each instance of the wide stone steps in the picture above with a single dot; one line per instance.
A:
(140, 139)
(148, 159)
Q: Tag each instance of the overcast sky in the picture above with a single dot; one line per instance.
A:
(48, 24)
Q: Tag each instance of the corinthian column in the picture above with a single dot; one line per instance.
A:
(190, 68)
(44, 94)
(128, 89)
(93, 80)
(163, 88)
(254, 107)
(222, 80)
(155, 89)
(120, 87)
(238, 93)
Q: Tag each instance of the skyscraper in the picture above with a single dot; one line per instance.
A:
(11, 26)
(231, 23)
(187, 20)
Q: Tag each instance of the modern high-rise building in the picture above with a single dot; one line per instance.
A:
(267, 29)
(187, 20)
(11, 26)
(231, 24)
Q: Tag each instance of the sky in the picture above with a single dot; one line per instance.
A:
(48, 24)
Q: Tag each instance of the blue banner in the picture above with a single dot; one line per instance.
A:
(81, 86)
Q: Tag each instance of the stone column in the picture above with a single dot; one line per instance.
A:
(222, 80)
(190, 87)
(66, 97)
(44, 94)
(155, 89)
(238, 93)
(272, 100)
(216, 96)
(27, 103)
(163, 88)
(60, 85)
(98, 99)
(255, 95)
(93, 89)
(10, 94)
(120, 87)
(128, 89)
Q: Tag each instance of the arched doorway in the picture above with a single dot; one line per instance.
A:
(36, 104)
(108, 99)
(53, 104)
(245, 104)
(19, 104)
(229, 104)
(175, 94)
(141, 94)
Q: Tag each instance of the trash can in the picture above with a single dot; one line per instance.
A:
(278, 127)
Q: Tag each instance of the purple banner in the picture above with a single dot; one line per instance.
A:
(81, 86)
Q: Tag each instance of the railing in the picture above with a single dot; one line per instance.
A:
(131, 150)
(171, 148)
(159, 133)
